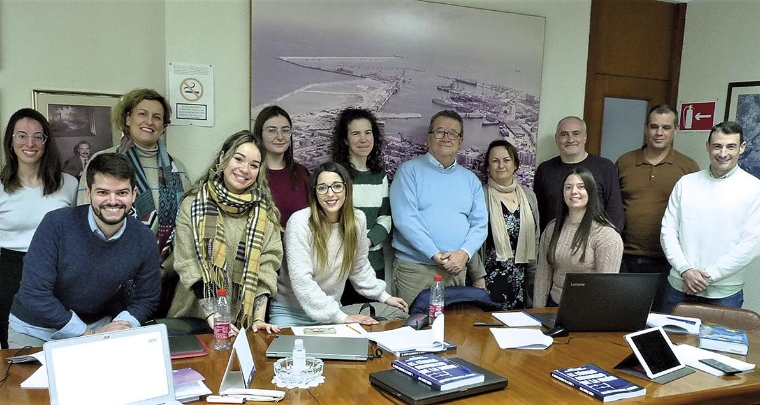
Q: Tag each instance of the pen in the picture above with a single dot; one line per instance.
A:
(349, 327)
(487, 324)
(681, 320)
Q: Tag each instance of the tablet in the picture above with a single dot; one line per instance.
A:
(654, 351)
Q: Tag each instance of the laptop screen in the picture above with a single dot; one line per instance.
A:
(114, 368)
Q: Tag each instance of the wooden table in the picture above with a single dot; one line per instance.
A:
(527, 371)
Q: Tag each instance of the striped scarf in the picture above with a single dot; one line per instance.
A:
(212, 200)
(162, 220)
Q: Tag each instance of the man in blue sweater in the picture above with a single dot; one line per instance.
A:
(439, 212)
(80, 260)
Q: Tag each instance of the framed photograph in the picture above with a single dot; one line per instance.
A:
(743, 106)
(80, 123)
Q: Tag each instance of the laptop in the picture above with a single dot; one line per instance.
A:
(124, 367)
(604, 302)
(321, 347)
(414, 392)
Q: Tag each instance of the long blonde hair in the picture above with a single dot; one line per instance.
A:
(320, 226)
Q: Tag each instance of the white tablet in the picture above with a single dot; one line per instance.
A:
(655, 351)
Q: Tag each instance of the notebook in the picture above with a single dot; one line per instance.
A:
(183, 346)
(124, 367)
(321, 347)
(604, 302)
(414, 392)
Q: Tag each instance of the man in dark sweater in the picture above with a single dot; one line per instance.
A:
(81, 260)
(550, 175)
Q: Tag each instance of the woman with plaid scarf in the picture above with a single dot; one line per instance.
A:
(228, 236)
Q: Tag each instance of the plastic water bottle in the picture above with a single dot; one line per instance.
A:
(299, 357)
(222, 321)
(436, 298)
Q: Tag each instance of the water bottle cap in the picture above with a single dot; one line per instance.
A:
(438, 278)
(221, 292)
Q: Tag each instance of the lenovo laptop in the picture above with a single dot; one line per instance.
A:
(604, 302)
(321, 347)
(124, 367)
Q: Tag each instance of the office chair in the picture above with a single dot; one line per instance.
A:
(727, 316)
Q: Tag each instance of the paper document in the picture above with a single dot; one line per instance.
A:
(516, 319)
(349, 330)
(691, 355)
(28, 358)
(407, 338)
(521, 338)
(675, 324)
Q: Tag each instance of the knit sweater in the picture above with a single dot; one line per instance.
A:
(73, 276)
(714, 225)
(317, 291)
(187, 266)
(287, 199)
(436, 210)
(22, 211)
(604, 252)
(371, 197)
(550, 176)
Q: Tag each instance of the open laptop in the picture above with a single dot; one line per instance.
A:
(414, 392)
(124, 367)
(321, 347)
(604, 302)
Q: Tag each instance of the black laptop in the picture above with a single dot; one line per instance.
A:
(413, 392)
(604, 302)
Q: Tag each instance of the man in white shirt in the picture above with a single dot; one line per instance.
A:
(711, 228)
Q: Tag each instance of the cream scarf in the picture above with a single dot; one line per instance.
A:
(526, 239)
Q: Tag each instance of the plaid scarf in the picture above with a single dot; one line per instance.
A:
(170, 191)
(212, 200)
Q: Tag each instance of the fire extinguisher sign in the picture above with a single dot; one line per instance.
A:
(698, 116)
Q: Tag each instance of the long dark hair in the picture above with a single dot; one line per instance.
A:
(594, 213)
(340, 150)
(296, 176)
(50, 163)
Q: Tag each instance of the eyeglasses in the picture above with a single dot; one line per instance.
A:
(37, 137)
(336, 187)
(273, 131)
(439, 134)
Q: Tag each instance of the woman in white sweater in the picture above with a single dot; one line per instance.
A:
(325, 246)
(580, 240)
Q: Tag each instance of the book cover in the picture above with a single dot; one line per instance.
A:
(675, 324)
(598, 383)
(720, 338)
(440, 373)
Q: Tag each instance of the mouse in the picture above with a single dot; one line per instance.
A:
(556, 331)
(417, 321)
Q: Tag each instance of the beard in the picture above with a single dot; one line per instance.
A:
(109, 221)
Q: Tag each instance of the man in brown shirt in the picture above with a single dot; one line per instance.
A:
(647, 177)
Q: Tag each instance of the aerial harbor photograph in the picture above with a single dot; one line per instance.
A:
(315, 59)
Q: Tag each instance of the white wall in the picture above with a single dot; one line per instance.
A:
(720, 46)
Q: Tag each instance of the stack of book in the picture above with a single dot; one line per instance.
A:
(723, 339)
(593, 380)
(438, 372)
(189, 385)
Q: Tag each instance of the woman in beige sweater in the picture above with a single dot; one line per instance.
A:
(580, 240)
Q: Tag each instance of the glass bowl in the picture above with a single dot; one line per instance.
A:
(283, 369)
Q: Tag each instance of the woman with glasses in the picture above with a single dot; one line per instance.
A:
(142, 116)
(228, 236)
(357, 145)
(325, 246)
(580, 240)
(31, 185)
(288, 180)
(510, 248)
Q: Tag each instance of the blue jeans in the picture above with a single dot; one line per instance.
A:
(672, 297)
(285, 316)
(644, 264)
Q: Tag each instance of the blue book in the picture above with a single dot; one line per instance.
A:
(723, 339)
(440, 373)
(598, 383)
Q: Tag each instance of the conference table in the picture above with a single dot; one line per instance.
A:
(528, 371)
